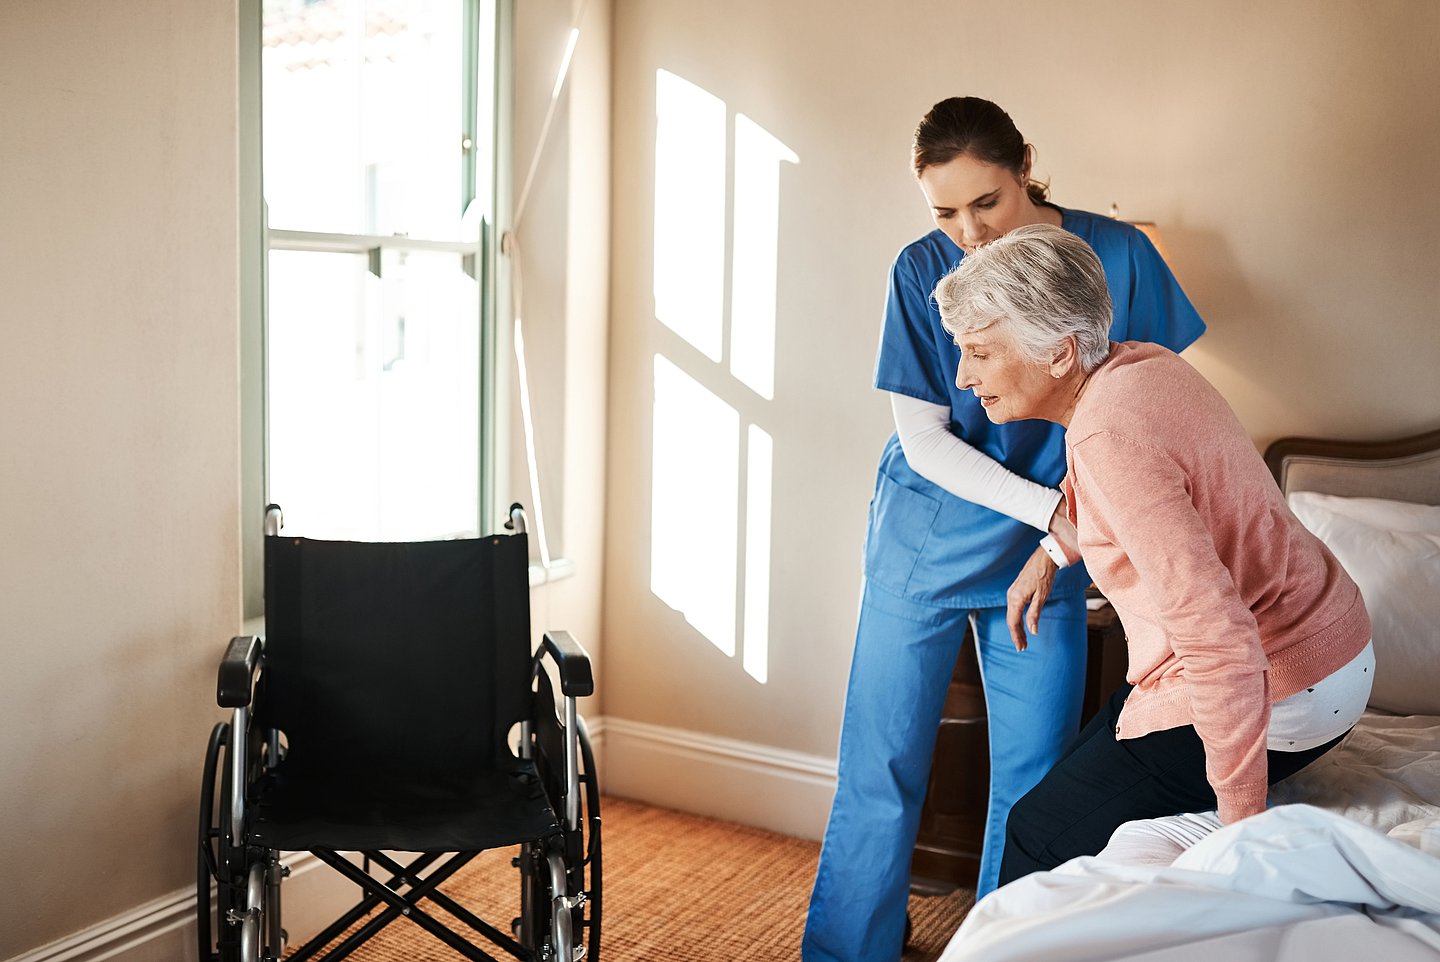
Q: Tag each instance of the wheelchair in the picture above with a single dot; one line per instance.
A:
(394, 710)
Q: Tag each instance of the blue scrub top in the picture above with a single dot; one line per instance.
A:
(924, 543)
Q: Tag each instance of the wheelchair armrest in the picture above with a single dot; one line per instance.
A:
(574, 664)
(237, 671)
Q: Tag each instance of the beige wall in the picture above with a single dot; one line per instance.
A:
(119, 573)
(1287, 150)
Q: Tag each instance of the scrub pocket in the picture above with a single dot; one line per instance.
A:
(900, 523)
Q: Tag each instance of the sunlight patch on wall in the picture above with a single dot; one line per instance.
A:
(753, 267)
(760, 457)
(690, 212)
(710, 534)
(694, 507)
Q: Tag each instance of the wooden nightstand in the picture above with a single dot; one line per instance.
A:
(952, 823)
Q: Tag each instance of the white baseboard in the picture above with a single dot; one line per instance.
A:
(595, 728)
(163, 930)
(771, 788)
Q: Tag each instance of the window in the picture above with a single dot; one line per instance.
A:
(378, 137)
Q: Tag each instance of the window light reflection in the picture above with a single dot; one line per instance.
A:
(700, 526)
(760, 456)
(758, 156)
(689, 211)
(694, 504)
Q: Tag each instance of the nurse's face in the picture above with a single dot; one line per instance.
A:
(974, 202)
(1010, 386)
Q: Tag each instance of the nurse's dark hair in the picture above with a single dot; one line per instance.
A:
(976, 128)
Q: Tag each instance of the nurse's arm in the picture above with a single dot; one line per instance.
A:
(938, 456)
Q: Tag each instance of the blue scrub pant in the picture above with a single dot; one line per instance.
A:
(904, 658)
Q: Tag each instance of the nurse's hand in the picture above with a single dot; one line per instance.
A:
(1032, 586)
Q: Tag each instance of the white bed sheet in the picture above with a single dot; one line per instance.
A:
(1345, 866)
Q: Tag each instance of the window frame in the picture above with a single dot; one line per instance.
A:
(481, 20)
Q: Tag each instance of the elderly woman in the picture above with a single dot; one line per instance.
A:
(1249, 646)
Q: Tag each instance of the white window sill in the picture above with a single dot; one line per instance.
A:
(557, 569)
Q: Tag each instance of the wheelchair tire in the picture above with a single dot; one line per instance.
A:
(205, 869)
(261, 938)
(590, 879)
(229, 868)
(532, 928)
(545, 927)
(556, 869)
(216, 858)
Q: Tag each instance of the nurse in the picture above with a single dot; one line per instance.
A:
(963, 509)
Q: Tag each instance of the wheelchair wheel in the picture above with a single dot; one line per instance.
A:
(242, 922)
(217, 858)
(548, 926)
(260, 937)
(587, 874)
(555, 922)
(534, 925)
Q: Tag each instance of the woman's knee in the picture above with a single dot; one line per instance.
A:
(1025, 844)
(1027, 827)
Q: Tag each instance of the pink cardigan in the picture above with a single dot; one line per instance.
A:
(1228, 603)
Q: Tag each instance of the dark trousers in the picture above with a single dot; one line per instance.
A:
(1101, 782)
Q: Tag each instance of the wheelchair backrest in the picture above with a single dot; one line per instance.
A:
(405, 658)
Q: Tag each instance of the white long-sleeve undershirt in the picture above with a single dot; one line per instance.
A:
(938, 456)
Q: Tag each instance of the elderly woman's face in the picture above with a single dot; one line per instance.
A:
(1010, 386)
(975, 202)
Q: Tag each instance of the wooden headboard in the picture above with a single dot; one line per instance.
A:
(1407, 469)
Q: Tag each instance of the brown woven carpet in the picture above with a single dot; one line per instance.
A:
(677, 886)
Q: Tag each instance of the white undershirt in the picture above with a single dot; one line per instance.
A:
(1305, 720)
(938, 456)
(1329, 708)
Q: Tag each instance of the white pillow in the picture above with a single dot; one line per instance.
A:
(1392, 550)
(1376, 512)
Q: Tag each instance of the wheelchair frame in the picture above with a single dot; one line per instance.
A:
(560, 874)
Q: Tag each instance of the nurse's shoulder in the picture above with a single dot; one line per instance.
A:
(929, 258)
(1102, 232)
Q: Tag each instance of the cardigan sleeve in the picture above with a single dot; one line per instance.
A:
(1140, 499)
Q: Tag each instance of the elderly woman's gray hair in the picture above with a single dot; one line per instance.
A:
(1041, 284)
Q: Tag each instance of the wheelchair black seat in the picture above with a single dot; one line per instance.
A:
(300, 811)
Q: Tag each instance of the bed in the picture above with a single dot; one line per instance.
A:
(1345, 864)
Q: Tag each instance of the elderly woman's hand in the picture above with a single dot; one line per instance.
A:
(1031, 587)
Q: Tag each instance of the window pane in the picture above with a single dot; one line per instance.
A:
(363, 123)
(374, 387)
